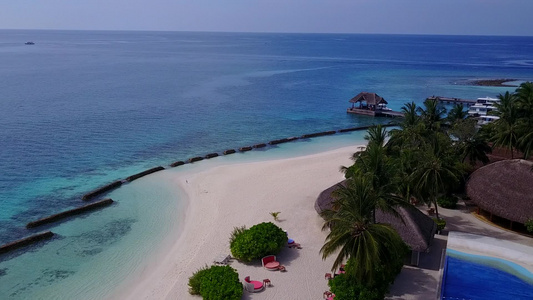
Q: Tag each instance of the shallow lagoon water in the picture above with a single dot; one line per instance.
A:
(94, 254)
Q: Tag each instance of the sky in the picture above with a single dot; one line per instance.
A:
(453, 17)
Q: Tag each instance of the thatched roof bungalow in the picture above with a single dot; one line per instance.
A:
(417, 229)
(504, 189)
(366, 99)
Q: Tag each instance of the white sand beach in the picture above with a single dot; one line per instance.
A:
(233, 195)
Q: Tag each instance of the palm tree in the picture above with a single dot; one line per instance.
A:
(353, 234)
(410, 115)
(469, 142)
(431, 114)
(436, 171)
(524, 101)
(412, 131)
(457, 113)
(376, 135)
(475, 149)
(507, 133)
(380, 171)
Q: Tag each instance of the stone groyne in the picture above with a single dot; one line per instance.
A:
(229, 151)
(194, 159)
(259, 146)
(177, 163)
(71, 212)
(144, 173)
(101, 190)
(311, 135)
(26, 241)
(211, 155)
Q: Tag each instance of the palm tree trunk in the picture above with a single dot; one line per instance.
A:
(436, 208)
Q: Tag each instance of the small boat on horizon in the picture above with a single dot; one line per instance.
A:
(29, 43)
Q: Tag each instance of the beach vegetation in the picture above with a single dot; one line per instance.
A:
(374, 252)
(236, 232)
(216, 283)
(456, 114)
(529, 225)
(447, 201)
(346, 287)
(259, 241)
(275, 215)
(441, 223)
(514, 128)
(356, 237)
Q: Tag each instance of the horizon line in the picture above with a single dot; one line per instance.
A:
(262, 32)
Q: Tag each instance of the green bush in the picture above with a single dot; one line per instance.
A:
(196, 280)
(258, 241)
(529, 225)
(346, 287)
(216, 283)
(447, 202)
(441, 223)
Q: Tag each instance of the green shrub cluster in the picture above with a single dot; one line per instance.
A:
(346, 287)
(441, 223)
(257, 242)
(529, 225)
(447, 201)
(216, 283)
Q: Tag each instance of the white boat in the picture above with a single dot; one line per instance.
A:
(480, 110)
(383, 106)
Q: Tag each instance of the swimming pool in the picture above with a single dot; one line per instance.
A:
(477, 277)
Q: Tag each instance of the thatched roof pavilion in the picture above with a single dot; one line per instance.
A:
(504, 188)
(371, 99)
(417, 230)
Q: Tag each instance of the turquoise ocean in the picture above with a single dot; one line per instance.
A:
(80, 109)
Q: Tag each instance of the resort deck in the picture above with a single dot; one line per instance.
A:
(449, 100)
(375, 113)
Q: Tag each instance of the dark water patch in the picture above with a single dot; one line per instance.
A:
(3, 272)
(109, 234)
(46, 278)
(91, 252)
(49, 276)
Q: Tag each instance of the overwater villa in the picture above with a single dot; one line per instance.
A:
(371, 104)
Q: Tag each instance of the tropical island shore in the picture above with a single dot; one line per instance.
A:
(502, 82)
(228, 196)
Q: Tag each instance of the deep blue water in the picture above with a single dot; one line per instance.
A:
(80, 109)
(469, 280)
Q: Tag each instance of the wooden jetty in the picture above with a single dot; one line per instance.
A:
(370, 104)
(448, 100)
